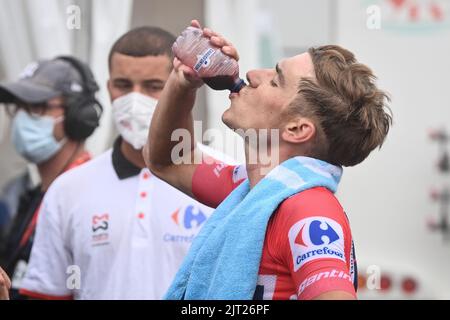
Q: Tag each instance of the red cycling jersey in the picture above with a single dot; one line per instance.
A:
(308, 248)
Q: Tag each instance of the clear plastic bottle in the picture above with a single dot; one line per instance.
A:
(217, 70)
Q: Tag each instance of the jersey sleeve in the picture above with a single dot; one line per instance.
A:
(214, 180)
(316, 244)
(46, 276)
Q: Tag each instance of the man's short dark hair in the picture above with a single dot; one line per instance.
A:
(144, 41)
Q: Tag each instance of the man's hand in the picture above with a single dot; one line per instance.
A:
(186, 76)
(5, 285)
(174, 111)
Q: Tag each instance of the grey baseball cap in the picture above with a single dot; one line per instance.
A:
(41, 81)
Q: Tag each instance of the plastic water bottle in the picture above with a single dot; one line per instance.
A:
(218, 71)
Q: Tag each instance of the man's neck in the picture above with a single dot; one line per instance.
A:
(132, 155)
(257, 170)
(52, 168)
(254, 174)
(266, 162)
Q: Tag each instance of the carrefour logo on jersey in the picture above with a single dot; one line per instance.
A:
(190, 218)
(188, 221)
(316, 238)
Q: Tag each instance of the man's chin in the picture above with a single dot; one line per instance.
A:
(227, 119)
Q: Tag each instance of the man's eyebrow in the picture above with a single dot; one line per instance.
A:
(148, 81)
(121, 80)
(280, 74)
(153, 81)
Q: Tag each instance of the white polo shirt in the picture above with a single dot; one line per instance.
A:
(101, 236)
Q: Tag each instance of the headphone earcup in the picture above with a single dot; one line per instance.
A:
(82, 117)
(83, 111)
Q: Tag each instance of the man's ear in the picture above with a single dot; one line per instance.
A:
(110, 88)
(300, 130)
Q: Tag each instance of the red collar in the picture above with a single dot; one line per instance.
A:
(83, 158)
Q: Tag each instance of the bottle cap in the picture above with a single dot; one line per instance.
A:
(238, 85)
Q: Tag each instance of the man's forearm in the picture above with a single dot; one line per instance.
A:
(174, 111)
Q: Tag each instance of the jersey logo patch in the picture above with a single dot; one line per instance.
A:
(190, 218)
(100, 232)
(239, 173)
(100, 222)
(188, 221)
(316, 238)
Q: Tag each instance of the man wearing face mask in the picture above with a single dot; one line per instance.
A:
(54, 111)
(125, 230)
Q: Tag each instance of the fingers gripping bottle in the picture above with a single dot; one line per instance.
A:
(217, 70)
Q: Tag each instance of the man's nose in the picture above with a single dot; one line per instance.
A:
(137, 88)
(256, 77)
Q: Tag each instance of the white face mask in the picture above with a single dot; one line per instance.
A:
(132, 115)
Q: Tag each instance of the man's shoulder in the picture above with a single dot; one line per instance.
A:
(87, 172)
(318, 201)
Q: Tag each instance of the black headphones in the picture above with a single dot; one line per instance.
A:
(83, 110)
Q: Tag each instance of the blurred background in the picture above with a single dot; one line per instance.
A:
(396, 200)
